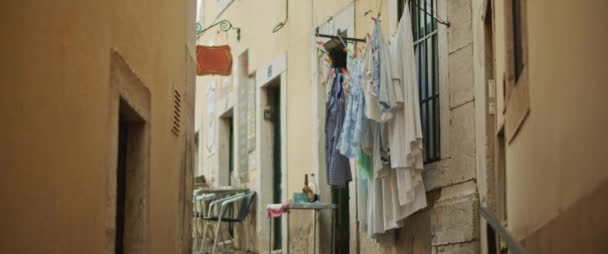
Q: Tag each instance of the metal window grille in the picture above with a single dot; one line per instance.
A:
(424, 29)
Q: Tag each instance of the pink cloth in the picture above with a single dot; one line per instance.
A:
(276, 210)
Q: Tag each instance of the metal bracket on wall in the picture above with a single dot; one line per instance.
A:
(338, 37)
(225, 26)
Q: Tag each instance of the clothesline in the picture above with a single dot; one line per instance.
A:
(440, 21)
(338, 37)
(379, 119)
(348, 39)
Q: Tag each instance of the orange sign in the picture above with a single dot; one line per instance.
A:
(216, 60)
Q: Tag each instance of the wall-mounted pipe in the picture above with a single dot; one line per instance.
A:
(282, 23)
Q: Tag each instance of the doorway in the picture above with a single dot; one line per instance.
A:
(271, 156)
(272, 115)
(225, 171)
(343, 24)
(276, 158)
(340, 196)
(121, 186)
(270, 141)
(130, 182)
(129, 154)
(226, 164)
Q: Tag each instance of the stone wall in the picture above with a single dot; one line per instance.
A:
(450, 223)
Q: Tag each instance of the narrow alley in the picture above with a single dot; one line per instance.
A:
(303, 127)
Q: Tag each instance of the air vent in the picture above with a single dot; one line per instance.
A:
(177, 111)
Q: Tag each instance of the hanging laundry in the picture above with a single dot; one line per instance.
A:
(377, 76)
(379, 125)
(363, 164)
(337, 165)
(354, 122)
(396, 189)
(382, 71)
(372, 107)
(378, 83)
(405, 128)
(372, 139)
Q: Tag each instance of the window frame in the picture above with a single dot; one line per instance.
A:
(427, 36)
(517, 99)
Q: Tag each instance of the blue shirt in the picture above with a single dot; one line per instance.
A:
(354, 121)
(337, 165)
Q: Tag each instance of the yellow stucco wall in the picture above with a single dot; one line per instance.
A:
(294, 41)
(559, 155)
(55, 105)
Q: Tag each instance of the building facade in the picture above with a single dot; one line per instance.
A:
(490, 142)
(97, 108)
(551, 176)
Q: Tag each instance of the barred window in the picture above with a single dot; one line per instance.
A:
(424, 29)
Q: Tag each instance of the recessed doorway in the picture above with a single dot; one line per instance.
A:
(130, 182)
(127, 174)
(226, 135)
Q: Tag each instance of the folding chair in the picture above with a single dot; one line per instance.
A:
(246, 201)
(200, 203)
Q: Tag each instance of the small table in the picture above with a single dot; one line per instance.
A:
(307, 206)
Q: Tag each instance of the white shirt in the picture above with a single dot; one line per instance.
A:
(405, 131)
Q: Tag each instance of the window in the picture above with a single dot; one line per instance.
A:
(517, 40)
(424, 29)
(517, 100)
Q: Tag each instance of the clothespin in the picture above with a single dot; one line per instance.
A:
(320, 43)
(344, 70)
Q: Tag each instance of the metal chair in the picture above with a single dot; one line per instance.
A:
(195, 220)
(213, 208)
(219, 217)
(200, 205)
